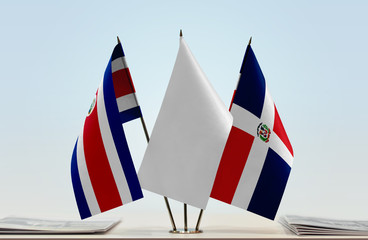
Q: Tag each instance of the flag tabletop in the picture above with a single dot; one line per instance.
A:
(188, 137)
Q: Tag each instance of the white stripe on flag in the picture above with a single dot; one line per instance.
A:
(84, 178)
(250, 175)
(110, 148)
(268, 111)
(253, 167)
(244, 120)
(275, 142)
(118, 64)
(279, 147)
(127, 102)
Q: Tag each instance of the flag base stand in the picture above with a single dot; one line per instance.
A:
(182, 231)
(186, 230)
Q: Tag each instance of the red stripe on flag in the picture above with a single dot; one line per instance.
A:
(232, 100)
(279, 129)
(232, 163)
(123, 83)
(98, 166)
(130, 79)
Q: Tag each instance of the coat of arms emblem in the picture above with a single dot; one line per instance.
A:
(263, 132)
(92, 106)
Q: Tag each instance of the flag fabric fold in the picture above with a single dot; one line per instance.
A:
(258, 156)
(188, 137)
(102, 170)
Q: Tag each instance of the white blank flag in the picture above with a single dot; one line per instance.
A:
(188, 138)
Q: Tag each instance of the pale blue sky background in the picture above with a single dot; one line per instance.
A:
(312, 53)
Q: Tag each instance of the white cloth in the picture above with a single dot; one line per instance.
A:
(188, 138)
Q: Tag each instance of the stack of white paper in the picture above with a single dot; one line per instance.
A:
(43, 226)
(321, 226)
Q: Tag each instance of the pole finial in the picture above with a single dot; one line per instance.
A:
(250, 41)
(181, 33)
(118, 39)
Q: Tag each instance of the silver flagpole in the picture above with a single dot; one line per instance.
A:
(199, 220)
(185, 218)
(147, 138)
(185, 205)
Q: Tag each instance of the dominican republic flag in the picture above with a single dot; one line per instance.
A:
(102, 169)
(257, 159)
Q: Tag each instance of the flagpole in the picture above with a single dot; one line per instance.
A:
(185, 205)
(147, 138)
(185, 218)
(199, 220)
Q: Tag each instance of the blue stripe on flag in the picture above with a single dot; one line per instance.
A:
(118, 135)
(251, 89)
(78, 189)
(270, 187)
(118, 52)
(130, 114)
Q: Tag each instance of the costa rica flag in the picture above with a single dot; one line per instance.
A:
(102, 170)
(258, 156)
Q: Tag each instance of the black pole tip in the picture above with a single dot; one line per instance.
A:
(181, 33)
(250, 41)
(118, 39)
